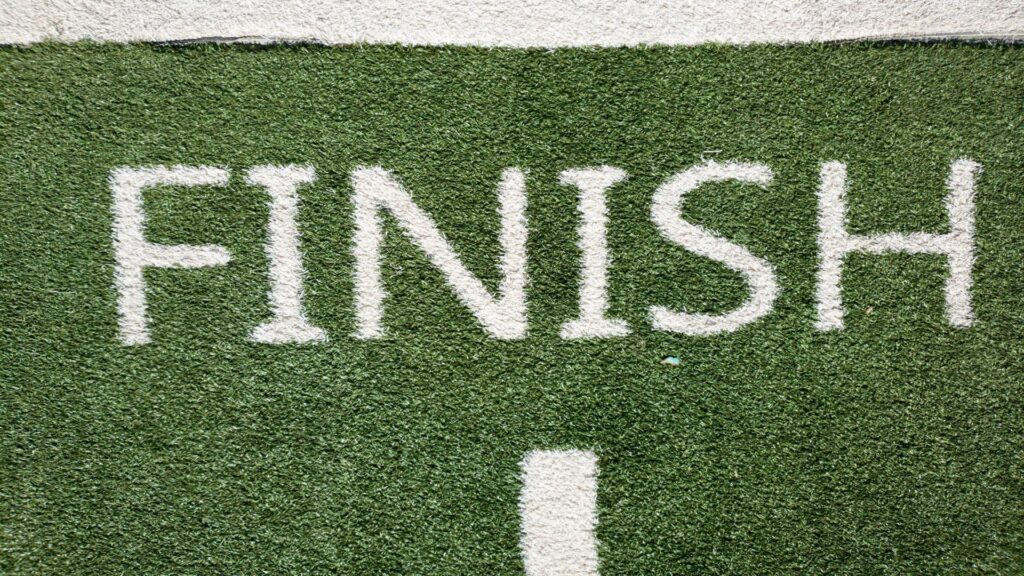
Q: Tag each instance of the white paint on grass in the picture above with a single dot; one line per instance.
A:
(558, 513)
(505, 316)
(759, 273)
(512, 23)
(957, 245)
(133, 254)
(289, 324)
(593, 243)
(375, 189)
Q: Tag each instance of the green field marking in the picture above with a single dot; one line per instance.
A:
(892, 446)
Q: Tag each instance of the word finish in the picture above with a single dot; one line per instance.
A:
(504, 315)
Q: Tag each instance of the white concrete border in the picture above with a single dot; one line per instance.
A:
(509, 23)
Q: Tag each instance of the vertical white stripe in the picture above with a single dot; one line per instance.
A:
(832, 241)
(558, 512)
(284, 257)
(593, 244)
(960, 208)
(366, 244)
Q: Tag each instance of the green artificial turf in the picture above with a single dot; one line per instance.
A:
(895, 446)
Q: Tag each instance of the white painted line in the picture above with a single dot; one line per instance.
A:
(558, 513)
(133, 253)
(593, 244)
(375, 188)
(759, 273)
(834, 243)
(289, 324)
(511, 23)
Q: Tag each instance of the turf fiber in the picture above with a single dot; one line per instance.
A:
(895, 446)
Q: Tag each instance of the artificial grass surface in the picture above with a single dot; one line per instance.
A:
(892, 447)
